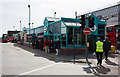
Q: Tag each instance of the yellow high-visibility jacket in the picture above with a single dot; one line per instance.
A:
(99, 46)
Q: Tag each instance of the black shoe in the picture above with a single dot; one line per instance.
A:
(106, 59)
(97, 63)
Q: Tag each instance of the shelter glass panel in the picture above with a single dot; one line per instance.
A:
(39, 30)
(62, 24)
(74, 36)
(73, 23)
(55, 28)
(31, 31)
(63, 40)
(63, 30)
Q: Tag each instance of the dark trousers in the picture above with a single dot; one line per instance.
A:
(41, 47)
(33, 46)
(51, 48)
(99, 57)
(106, 54)
(36, 45)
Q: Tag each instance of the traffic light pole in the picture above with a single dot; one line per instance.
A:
(20, 31)
(116, 44)
(86, 47)
(29, 24)
(116, 39)
(74, 54)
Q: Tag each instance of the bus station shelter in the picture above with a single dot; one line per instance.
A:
(70, 33)
(68, 30)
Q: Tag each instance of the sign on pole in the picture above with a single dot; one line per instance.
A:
(116, 32)
(116, 38)
(45, 29)
(86, 31)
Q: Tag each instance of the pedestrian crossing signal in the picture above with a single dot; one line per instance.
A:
(91, 22)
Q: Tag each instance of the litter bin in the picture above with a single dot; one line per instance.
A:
(112, 49)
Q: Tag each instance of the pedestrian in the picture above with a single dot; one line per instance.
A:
(41, 43)
(57, 46)
(99, 51)
(35, 38)
(37, 43)
(46, 44)
(33, 42)
(51, 45)
(106, 47)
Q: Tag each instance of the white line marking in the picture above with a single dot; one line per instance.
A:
(36, 69)
(86, 31)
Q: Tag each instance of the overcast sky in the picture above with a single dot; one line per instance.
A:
(13, 11)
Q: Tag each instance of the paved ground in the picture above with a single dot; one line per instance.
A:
(0, 56)
(17, 61)
(21, 60)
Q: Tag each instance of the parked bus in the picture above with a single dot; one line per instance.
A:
(10, 39)
(28, 38)
(4, 38)
(10, 35)
(111, 33)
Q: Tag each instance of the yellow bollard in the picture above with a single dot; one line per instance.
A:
(112, 49)
(87, 44)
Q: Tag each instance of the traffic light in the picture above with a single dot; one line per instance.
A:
(91, 22)
(83, 21)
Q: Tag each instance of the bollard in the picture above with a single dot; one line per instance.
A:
(74, 54)
(116, 38)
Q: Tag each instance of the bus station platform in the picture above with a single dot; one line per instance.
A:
(109, 67)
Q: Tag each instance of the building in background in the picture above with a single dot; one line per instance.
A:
(110, 14)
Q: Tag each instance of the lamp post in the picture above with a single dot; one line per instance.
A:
(29, 24)
(32, 25)
(20, 26)
(20, 31)
(54, 14)
(14, 33)
(14, 28)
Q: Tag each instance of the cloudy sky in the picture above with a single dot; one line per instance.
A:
(14, 11)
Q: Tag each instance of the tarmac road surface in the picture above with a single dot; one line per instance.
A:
(18, 61)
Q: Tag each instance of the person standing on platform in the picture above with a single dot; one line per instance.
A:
(57, 46)
(37, 44)
(46, 44)
(41, 43)
(33, 42)
(99, 51)
(51, 45)
(106, 47)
